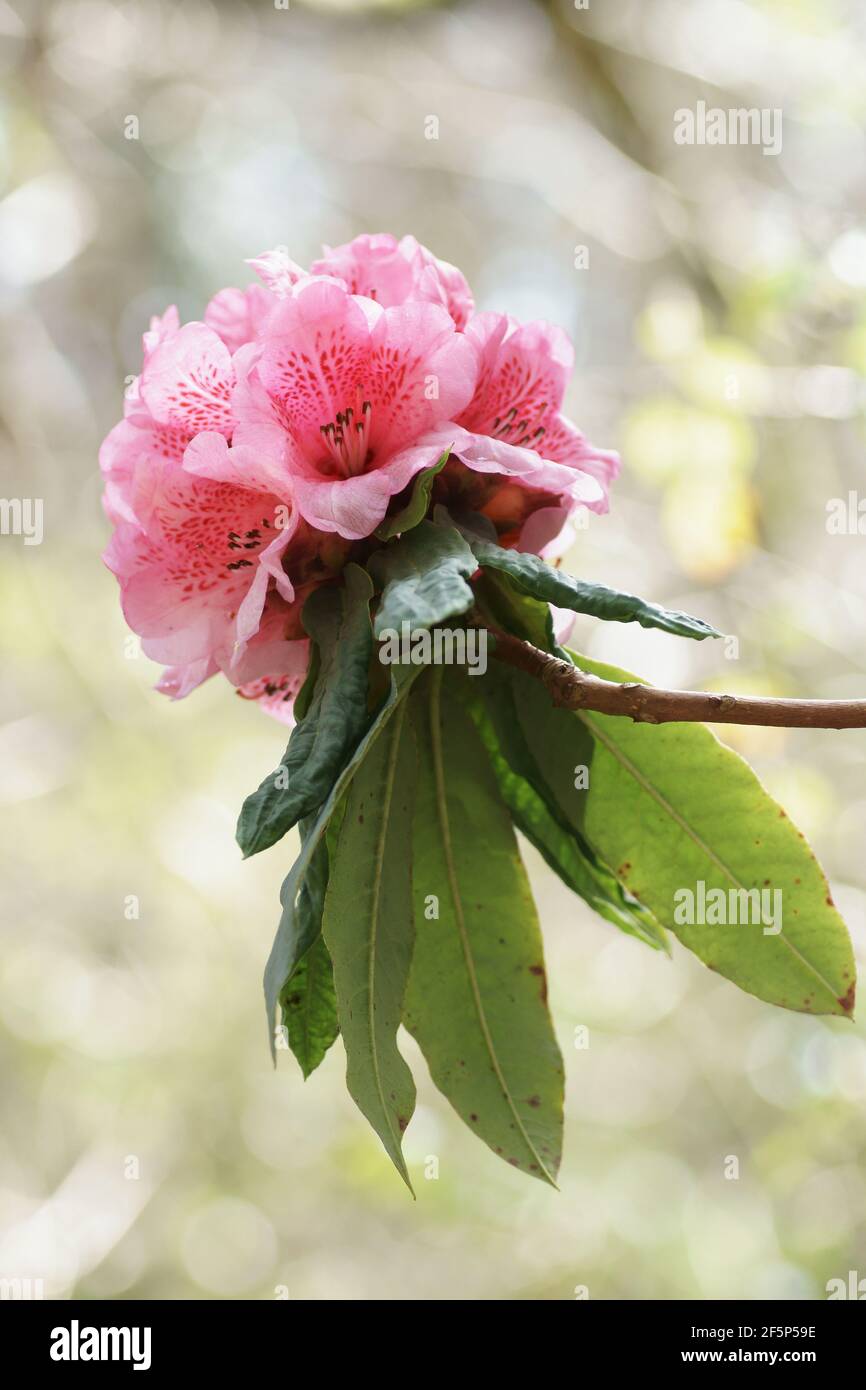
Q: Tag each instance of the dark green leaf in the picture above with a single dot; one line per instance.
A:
(367, 927)
(535, 812)
(536, 578)
(423, 577)
(510, 608)
(298, 929)
(338, 620)
(416, 508)
(305, 694)
(476, 1000)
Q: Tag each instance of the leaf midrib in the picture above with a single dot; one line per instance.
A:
(378, 863)
(444, 826)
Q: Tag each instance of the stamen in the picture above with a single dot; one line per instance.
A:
(347, 439)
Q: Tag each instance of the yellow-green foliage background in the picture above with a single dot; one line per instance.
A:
(720, 329)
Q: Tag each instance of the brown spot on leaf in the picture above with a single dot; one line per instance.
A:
(539, 970)
(534, 1102)
(847, 999)
(474, 1118)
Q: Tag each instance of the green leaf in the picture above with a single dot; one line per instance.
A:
(535, 812)
(670, 808)
(534, 577)
(297, 929)
(423, 577)
(477, 995)
(305, 694)
(416, 508)
(510, 608)
(338, 620)
(310, 1008)
(367, 927)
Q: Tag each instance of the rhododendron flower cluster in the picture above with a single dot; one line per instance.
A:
(332, 464)
(261, 448)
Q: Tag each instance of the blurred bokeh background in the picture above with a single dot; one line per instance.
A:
(717, 300)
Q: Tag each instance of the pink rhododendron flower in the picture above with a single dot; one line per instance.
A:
(397, 272)
(513, 426)
(343, 402)
(262, 447)
(195, 566)
(195, 558)
(184, 589)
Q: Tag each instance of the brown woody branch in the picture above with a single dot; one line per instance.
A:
(571, 688)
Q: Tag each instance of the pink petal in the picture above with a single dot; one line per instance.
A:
(394, 272)
(131, 456)
(563, 442)
(178, 681)
(185, 578)
(187, 381)
(523, 375)
(486, 455)
(440, 281)
(257, 462)
(277, 270)
(269, 654)
(238, 315)
(314, 357)
(546, 532)
(420, 373)
(161, 327)
(353, 507)
(275, 695)
(269, 567)
(371, 265)
(563, 623)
